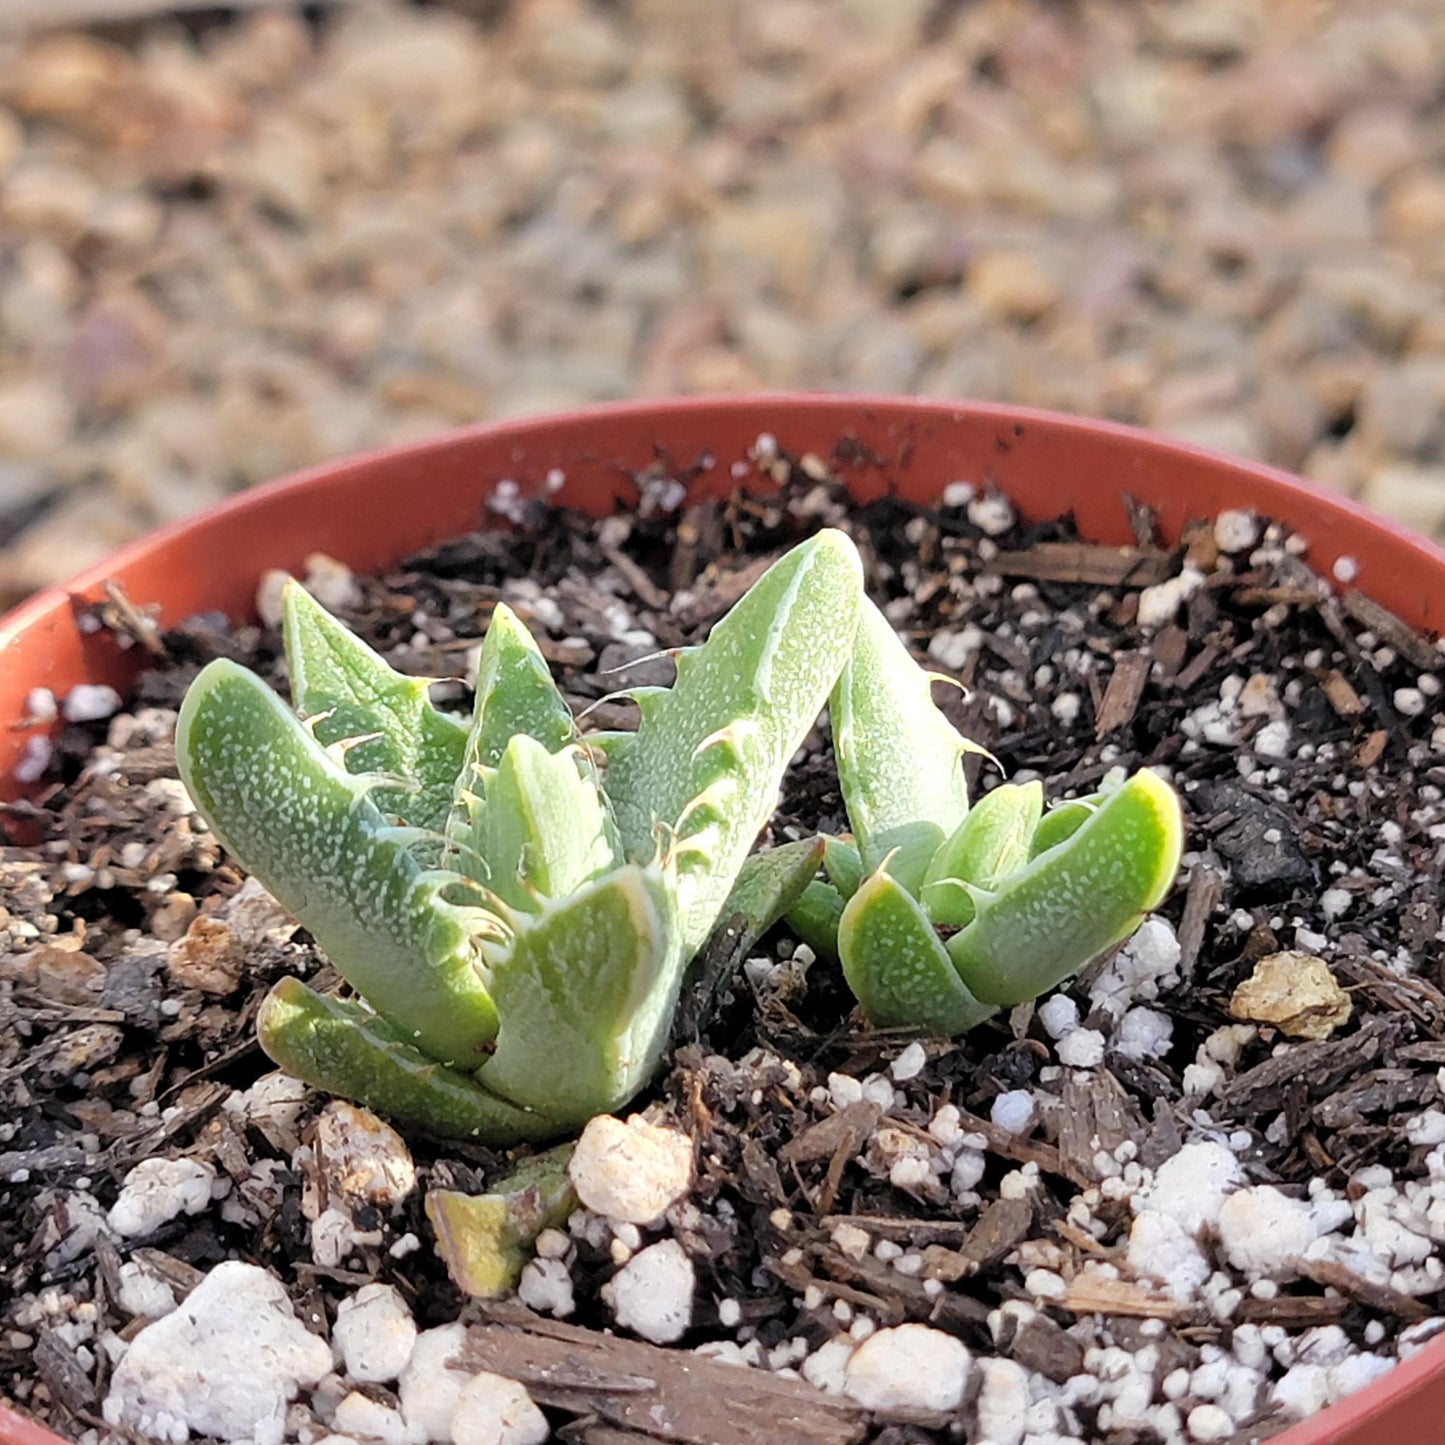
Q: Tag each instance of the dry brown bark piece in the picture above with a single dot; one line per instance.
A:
(1087, 562)
(1097, 1117)
(1123, 694)
(663, 1394)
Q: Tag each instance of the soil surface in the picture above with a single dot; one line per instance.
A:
(1301, 728)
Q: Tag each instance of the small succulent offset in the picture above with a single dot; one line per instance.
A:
(941, 913)
(515, 905)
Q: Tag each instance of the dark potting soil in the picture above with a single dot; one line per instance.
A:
(1302, 729)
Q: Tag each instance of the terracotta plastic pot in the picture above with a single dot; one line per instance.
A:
(370, 511)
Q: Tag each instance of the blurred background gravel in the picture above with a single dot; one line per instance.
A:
(234, 244)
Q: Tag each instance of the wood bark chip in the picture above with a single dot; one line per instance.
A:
(1206, 890)
(1317, 1068)
(1391, 631)
(1122, 696)
(1378, 1297)
(660, 1394)
(1001, 1228)
(1097, 1116)
(1092, 1294)
(1086, 562)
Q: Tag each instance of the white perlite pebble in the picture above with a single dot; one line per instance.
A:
(1144, 1033)
(493, 1410)
(632, 1171)
(1159, 604)
(651, 1295)
(1003, 1401)
(909, 1367)
(991, 513)
(225, 1363)
(1014, 1111)
(1162, 1249)
(89, 702)
(1236, 531)
(1136, 973)
(826, 1368)
(359, 1417)
(909, 1064)
(156, 1191)
(1059, 1015)
(433, 1381)
(1262, 1232)
(374, 1333)
(546, 1286)
(1081, 1049)
(1209, 1422)
(1191, 1186)
(143, 1293)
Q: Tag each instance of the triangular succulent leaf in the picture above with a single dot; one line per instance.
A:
(896, 965)
(991, 843)
(515, 694)
(1062, 821)
(539, 830)
(585, 995)
(741, 706)
(346, 1049)
(842, 864)
(898, 756)
(312, 835)
(1072, 902)
(352, 692)
(815, 918)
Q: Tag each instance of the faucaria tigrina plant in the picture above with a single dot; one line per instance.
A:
(941, 913)
(514, 905)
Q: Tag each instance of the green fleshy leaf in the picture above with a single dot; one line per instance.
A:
(333, 672)
(585, 995)
(485, 1240)
(1072, 902)
(815, 918)
(539, 829)
(346, 1049)
(843, 865)
(896, 966)
(992, 843)
(1061, 822)
(709, 752)
(311, 834)
(898, 756)
(515, 694)
(768, 884)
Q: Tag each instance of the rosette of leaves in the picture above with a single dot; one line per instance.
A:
(941, 913)
(513, 905)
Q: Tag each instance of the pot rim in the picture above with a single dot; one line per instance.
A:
(1336, 527)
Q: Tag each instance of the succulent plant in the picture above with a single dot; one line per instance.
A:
(514, 904)
(941, 913)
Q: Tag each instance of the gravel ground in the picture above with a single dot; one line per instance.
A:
(233, 249)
